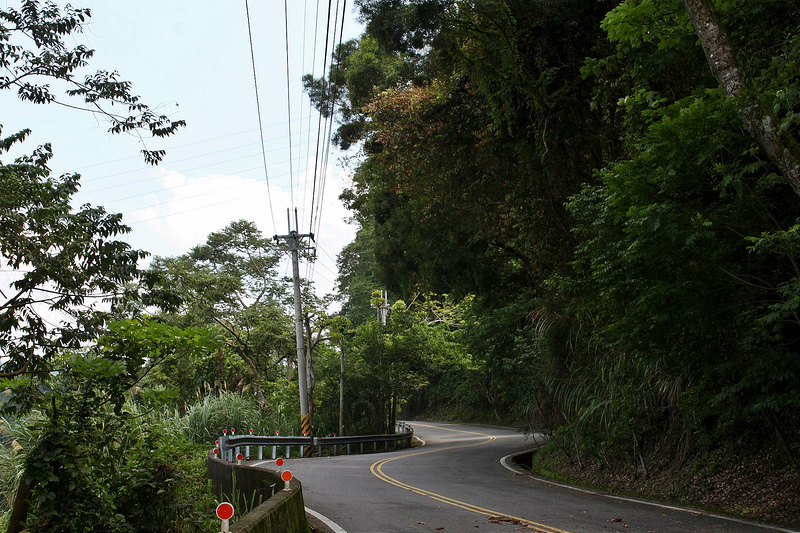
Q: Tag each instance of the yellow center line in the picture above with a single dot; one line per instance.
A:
(377, 471)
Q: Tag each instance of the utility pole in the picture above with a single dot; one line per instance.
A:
(295, 242)
(380, 301)
(341, 387)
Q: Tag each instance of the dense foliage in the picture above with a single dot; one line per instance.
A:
(586, 221)
(586, 173)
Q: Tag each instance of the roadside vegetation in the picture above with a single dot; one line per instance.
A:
(577, 217)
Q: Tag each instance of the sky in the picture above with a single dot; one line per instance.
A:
(191, 60)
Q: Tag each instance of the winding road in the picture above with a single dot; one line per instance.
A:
(456, 483)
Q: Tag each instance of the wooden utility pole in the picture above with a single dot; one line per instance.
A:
(341, 387)
(294, 240)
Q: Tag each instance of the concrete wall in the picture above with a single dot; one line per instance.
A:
(247, 487)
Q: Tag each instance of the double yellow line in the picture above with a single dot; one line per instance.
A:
(377, 471)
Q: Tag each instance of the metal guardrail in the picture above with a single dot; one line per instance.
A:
(230, 447)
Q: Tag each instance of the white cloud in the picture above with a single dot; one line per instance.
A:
(189, 208)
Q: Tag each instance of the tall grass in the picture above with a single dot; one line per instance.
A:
(205, 420)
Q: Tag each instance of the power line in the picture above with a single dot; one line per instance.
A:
(139, 157)
(334, 94)
(310, 104)
(302, 70)
(328, 133)
(288, 99)
(192, 183)
(258, 109)
(319, 122)
(188, 210)
(180, 170)
(318, 170)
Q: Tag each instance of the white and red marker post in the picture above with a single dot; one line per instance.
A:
(286, 476)
(226, 453)
(225, 513)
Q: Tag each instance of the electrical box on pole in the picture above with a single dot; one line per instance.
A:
(294, 240)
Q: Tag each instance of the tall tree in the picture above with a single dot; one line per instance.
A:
(777, 143)
(66, 260)
(231, 283)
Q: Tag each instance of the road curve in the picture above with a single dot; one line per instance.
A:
(455, 483)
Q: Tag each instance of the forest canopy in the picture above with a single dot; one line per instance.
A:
(613, 184)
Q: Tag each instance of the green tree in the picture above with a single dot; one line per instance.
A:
(357, 276)
(69, 264)
(231, 284)
(685, 318)
(35, 54)
(66, 259)
(83, 472)
(601, 187)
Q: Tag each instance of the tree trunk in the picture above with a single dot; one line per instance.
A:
(781, 148)
(19, 512)
(393, 421)
(218, 383)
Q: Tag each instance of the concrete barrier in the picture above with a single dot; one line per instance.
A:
(251, 488)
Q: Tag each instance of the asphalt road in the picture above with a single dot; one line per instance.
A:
(455, 483)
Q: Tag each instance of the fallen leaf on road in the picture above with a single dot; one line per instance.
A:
(616, 520)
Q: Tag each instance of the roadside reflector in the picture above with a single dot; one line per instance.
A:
(224, 511)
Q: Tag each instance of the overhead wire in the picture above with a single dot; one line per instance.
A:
(331, 112)
(302, 70)
(190, 210)
(192, 183)
(139, 157)
(316, 209)
(288, 101)
(310, 103)
(319, 122)
(129, 183)
(258, 109)
(320, 127)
